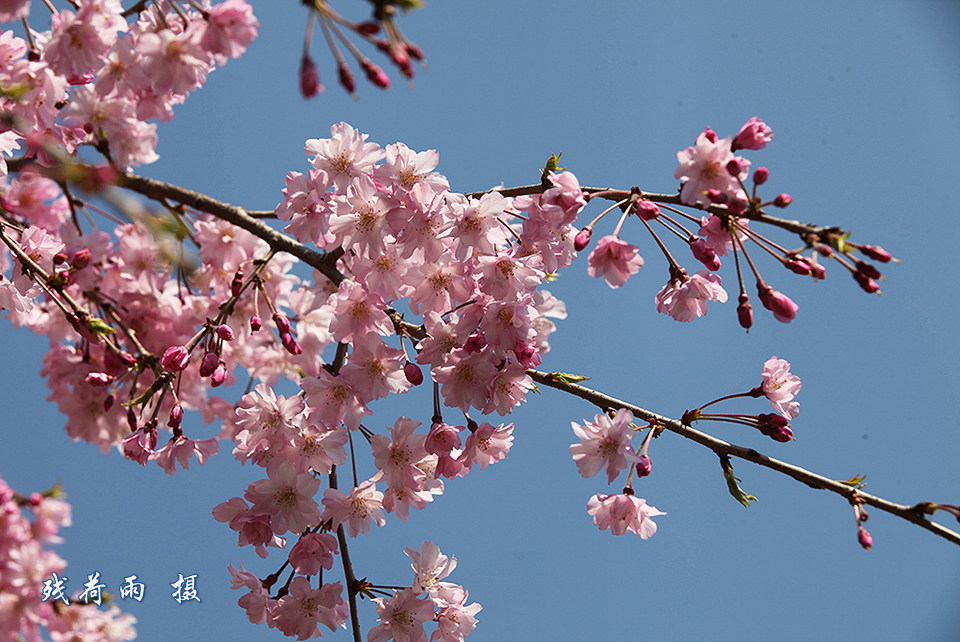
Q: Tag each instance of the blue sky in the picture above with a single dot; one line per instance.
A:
(864, 101)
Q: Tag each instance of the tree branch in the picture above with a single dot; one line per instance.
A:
(913, 514)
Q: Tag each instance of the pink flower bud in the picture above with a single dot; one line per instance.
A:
(799, 265)
(413, 51)
(219, 375)
(210, 362)
(705, 253)
(413, 373)
(346, 78)
(876, 253)
(734, 168)
(176, 415)
(290, 344)
(236, 283)
(528, 355)
(784, 310)
(867, 284)
(867, 269)
(716, 196)
(99, 378)
(582, 239)
(59, 258)
(255, 323)
(401, 59)
(710, 134)
(225, 332)
(175, 359)
(81, 259)
(745, 312)
(644, 466)
(375, 74)
(865, 539)
(108, 403)
(475, 343)
(760, 175)
(309, 78)
(755, 134)
(646, 210)
(775, 427)
(782, 200)
(132, 419)
(283, 323)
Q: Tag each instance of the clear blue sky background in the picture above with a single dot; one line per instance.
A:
(864, 100)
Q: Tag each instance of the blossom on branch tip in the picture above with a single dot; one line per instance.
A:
(704, 167)
(780, 386)
(605, 442)
(755, 134)
(686, 298)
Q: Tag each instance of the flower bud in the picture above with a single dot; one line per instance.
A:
(582, 239)
(710, 134)
(705, 253)
(290, 344)
(867, 284)
(210, 362)
(745, 312)
(784, 310)
(716, 196)
(219, 375)
(413, 51)
(818, 272)
(798, 265)
(760, 175)
(755, 134)
(283, 323)
(99, 378)
(782, 200)
(866, 540)
(413, 373)
(176, 415)
(644, 466)
(255, 323)
(877, 253)
(867, 269)
(175, 359)
(346, 78)
(80, 259)
(775, 427)
(375, 74)
(734, 168)
(237, 283)
(368, 28)
(59, 258)
(225, 332)
(646, 210)
(309, 78)
(108, 403)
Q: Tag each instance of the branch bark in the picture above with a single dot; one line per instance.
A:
(722, 448)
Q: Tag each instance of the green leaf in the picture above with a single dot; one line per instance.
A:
(563, 377)
(553, 165)
(738, 493)
(853, 482)
(99, 326)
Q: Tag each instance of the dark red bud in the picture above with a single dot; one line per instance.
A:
(176, 416)
(745, 312)
(782, 200)
(582, 239)
(81, 259)
(283, 323)
(225, 332)
(309, 78)
(647, 210)
(255, 323)
(346, 78)
(644, 466)
(209, 364)
(59, 258)
(760, 175)
(413, 373)
(876, 253)
(710, 134)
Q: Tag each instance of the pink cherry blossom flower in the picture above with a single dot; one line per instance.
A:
(615, 260)
(253, 529)
(622, 513)
(401, 618)
(430, 566)
(344, 155)
(686, 299)
(286, 496)
(487, 445)
(718, 236)
(780, 387)
(313, 552)
(356, 510)
(300, 613)
(396, 457)
(455, 620)
(179, 448)
(605, 442)
(704, 167)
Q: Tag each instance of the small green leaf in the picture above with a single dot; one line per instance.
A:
(99, 326)
(737, 492)
(563, 377)
(553, 165)
(853, 482)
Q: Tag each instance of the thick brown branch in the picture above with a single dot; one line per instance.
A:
(720, 447)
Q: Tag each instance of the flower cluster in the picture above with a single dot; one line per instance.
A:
(26, 563)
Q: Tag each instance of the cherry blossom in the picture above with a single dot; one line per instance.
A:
(300, 613)
(605, 442)
(357, 510)
(780, 386)
(686, 298)
(615, 260)
(401, 618)
(622, 513)
(704, 167)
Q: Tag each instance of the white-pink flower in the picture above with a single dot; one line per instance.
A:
(704, 167)
(430, 566)
(363, 505)
(615, 260)
(401, 618)
(605, 442)
(301, 612)
(686, 299)
(286, 496)
(622, 513)
(780, 387)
